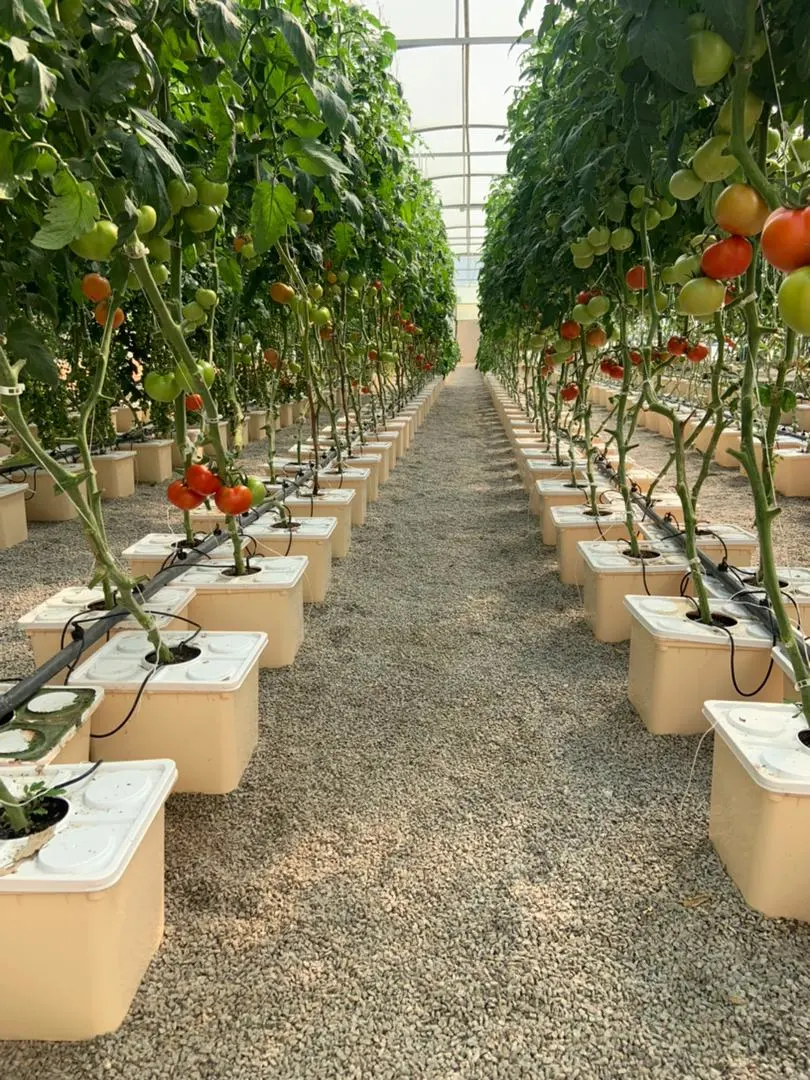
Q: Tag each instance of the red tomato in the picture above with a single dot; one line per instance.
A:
(570, 392)
(96, 288)
(366, 390)
(678, 346)
(636, 278)
(194, 402)
(181, 496)
(372, 354)
(606, 365)
(272, 358)
(569, 330)
(234, 500)
(786, 239)
(200, 479)
(584, 296)
(100, 314)
(596, 337)
(635, 357)
(616, 371)
(697, 353)
(728, 258)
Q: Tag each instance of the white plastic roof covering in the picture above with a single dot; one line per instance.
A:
(458, 64)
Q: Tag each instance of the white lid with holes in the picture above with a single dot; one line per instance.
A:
(666, 617)
(580, 516)
(276, 572)
(730, 534)
(11, 489)
(336, 496)
(601, 555)
(162, 545)
(306, 528)
(224, 662)
(93, 844)
(55, 612)
(764, 738)
(566, 487)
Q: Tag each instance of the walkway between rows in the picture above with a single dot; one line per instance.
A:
(456, 852)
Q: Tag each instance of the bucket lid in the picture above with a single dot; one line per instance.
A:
(278, 573)
(665, 617)
(109, 815)
(225, 660)
(57, 610)
(764, 738)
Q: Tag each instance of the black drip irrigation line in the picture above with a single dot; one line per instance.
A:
(69, 656)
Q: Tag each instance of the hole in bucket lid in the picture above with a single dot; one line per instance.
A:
(598, 513)
(644, 553)
(718, 619)
(231, 571)
(181, 654)
(804, 737)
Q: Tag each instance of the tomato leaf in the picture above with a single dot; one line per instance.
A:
(36, 85)
(334, 109)
(229, 273)
(26, 343)
(343, 234)
(728, 19)
(221, 24)
(661, 38)
(271, 213)
(71, 212)
(298, 41)
(23, 14)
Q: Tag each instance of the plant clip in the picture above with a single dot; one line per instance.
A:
(12, 391)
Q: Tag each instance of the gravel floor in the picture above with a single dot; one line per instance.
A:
(456, 852)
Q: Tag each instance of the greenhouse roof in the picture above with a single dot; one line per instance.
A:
(458, 64)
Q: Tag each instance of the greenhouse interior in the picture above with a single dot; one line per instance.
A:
(404, 517)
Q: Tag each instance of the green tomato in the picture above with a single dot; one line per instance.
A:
(621, 239)
(210, 193)
(685, 184)
(70, 10)
(712, 57)
(206, 298)
(304, 216)
(602, 249)
(315, 291)
(666, 209)
(637, 196)
(96, 244)
(598, 237)
(246, 339)
(652, 219)
(774, 141)
(752, 110)
(45, 163)
(598, 306)
(794, 301)
(802, 148)
(159, 248)
(208, 373)
(160, 273)
(321, 316)
(581, 314)
(358, 281)
(247, 251)
(661, 301)
(257, 490)
(583, 262)
(193, 312)
(132, 281)
(201, 218)
(711, 162)
(581, 249)
(552, 220)
(161, 387)
(563, 347)
(147, 220)
(343, 277)
(686, 266)
(180, 194)
(701, 297)
(670, 276)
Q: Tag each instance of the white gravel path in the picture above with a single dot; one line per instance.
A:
(457, 853)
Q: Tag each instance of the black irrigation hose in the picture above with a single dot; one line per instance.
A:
(70, 654)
